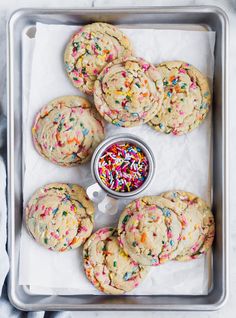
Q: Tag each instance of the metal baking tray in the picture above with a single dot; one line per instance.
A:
(188, 18)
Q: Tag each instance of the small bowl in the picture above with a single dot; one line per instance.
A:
(121, 138)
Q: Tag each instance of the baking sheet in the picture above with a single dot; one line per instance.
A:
(182, 162)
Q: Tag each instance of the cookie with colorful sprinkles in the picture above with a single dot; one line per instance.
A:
(149, 230)
(108, 267)
(128, 92)
(67, 130)
(187, 98)
(60, 216)
(90, 49)
(199, 226)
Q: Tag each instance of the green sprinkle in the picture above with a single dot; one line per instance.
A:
(128, 98)
(165, 83)
(75, 78)
(64, 213)
(76, 44)
(125, 219)
(59, 128)
(98, 47)
(134, 244)
(46, 241)
(169, 109)
(117, 102)
(115, 264)
(138, 85)
(72, 119)
(83, 70)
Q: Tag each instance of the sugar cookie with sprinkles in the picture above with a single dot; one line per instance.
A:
(199, 226)
(108, 267)
(90, 49)
(149, 230)
(187, 98)
(128, 92)
(60, 216)
(67, 130)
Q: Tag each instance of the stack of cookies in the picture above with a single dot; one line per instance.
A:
(151, 231)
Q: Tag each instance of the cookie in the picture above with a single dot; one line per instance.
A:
(199, 226)
(106, 265)
(67, 130)
(149, 230)
(60, 216)
(90, 49)
(187, 98)
(128, 92)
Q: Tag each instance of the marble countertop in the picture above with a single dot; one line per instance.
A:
(7, 6)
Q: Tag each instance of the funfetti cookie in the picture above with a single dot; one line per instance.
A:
(108, 267)
(199, 226)
(60, 216)
(187, 98)
(149, 230)
(90, 49)
(67, 130)
(128, 92)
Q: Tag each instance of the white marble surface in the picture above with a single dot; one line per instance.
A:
(7, 6)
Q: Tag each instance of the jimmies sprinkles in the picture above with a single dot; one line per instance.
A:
(123, 167)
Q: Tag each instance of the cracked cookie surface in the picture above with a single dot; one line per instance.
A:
(199, 226)
(108, 267)
(60, 216)
(67, 130)
(149, 230)
(186, 101)
(90, 49)
(128, 92)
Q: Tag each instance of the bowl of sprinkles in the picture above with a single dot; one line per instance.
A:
(123, 165)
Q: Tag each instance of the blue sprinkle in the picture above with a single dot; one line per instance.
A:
(169, 94)
(68, 68)
(54, 211)
(161, 125)
(175, 195)
(135, 114)
(175, 81)
(166, 212)
(68, 196)
(154, 261)
(85, 131)
(74, 155)
(171, 242)
(206, 94)
(127, 276)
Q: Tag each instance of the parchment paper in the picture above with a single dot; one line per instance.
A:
(182, 162)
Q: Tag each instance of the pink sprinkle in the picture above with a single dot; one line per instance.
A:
(181, 112)
(193, 85)
(83, 229)
(182, 70)
(138, 205)
(123, 74)
(139, 216)
(145, 67)
(109, 58)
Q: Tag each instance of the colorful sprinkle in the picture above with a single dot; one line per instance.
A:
(123, 167)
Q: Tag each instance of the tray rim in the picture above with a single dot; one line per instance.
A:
(16, 302)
